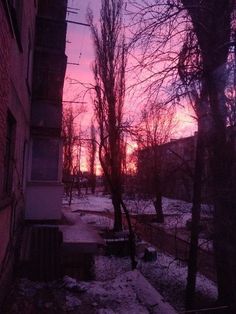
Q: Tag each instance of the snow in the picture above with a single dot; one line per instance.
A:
(72, 302)
(98, 221)
(117, 289)
(96, 209)
(166, 274)
(129, 292)
(151, 249)
(76, 231)
(177, 212)
(90, 203)
(169, 277)
(73, 285)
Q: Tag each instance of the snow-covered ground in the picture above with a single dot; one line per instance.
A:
(116, 289)
(128, 292)
(169, 277)
(92, 209)
(166, 274)
(176, 212)
(89, 202)
(103, 203)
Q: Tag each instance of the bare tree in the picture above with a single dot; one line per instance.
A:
(190, 72)
(109, 76)
(155, 128)
(92, 149)
(211, 24)
(71, 139)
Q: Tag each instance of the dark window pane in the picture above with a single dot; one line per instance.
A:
(45, 156)
(9, 154)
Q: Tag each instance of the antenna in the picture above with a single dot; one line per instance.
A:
(77, 23)
(74, 10)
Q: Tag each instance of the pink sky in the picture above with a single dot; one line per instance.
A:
(80, 50)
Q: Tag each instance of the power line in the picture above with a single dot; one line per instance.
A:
(77, 23)
(74, 102)
(73, 63)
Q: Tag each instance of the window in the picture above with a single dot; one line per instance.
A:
(45, 158)
(29, 65)
(14, 9)
(9, 155)
(17, 5)
(24, 162)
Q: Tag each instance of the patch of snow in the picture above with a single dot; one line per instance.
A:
(98, 221)
(169, 277)
(151, 249)
(108, 267)
(166, 274)
(90, 203)
(105, 311)
(72, 302)
(73, 285)
(132, 292)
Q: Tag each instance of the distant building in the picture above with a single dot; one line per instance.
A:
(32, 69)
(176, 166)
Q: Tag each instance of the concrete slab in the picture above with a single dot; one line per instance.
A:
(81, 238)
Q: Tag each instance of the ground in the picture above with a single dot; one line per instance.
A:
(115, 288)
(127, 293)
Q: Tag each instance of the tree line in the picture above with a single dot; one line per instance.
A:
(184, 52)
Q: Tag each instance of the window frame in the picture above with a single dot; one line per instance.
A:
(9, 155)
(13, 19)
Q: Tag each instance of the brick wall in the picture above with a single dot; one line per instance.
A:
(15, 97)
(5, 38)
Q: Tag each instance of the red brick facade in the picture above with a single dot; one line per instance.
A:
(5, 39)
(29, 109)
(15, 106)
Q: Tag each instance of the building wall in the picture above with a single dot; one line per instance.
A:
(44, 188)
(5, 41)
(16, 32)
(32, 69)
(176, 165)
(177, 168)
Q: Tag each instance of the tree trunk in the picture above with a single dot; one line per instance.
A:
(117, 211)
(158, 206)
(93, 183)
(131, 237)
(224, 223)
(224, 190)
(195, 224)
(157, 187)
(212, 25)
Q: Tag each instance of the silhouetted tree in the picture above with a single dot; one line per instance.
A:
(92, 148)
(211, 22)
(70, 136)
(109, 76)
(155, 128)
